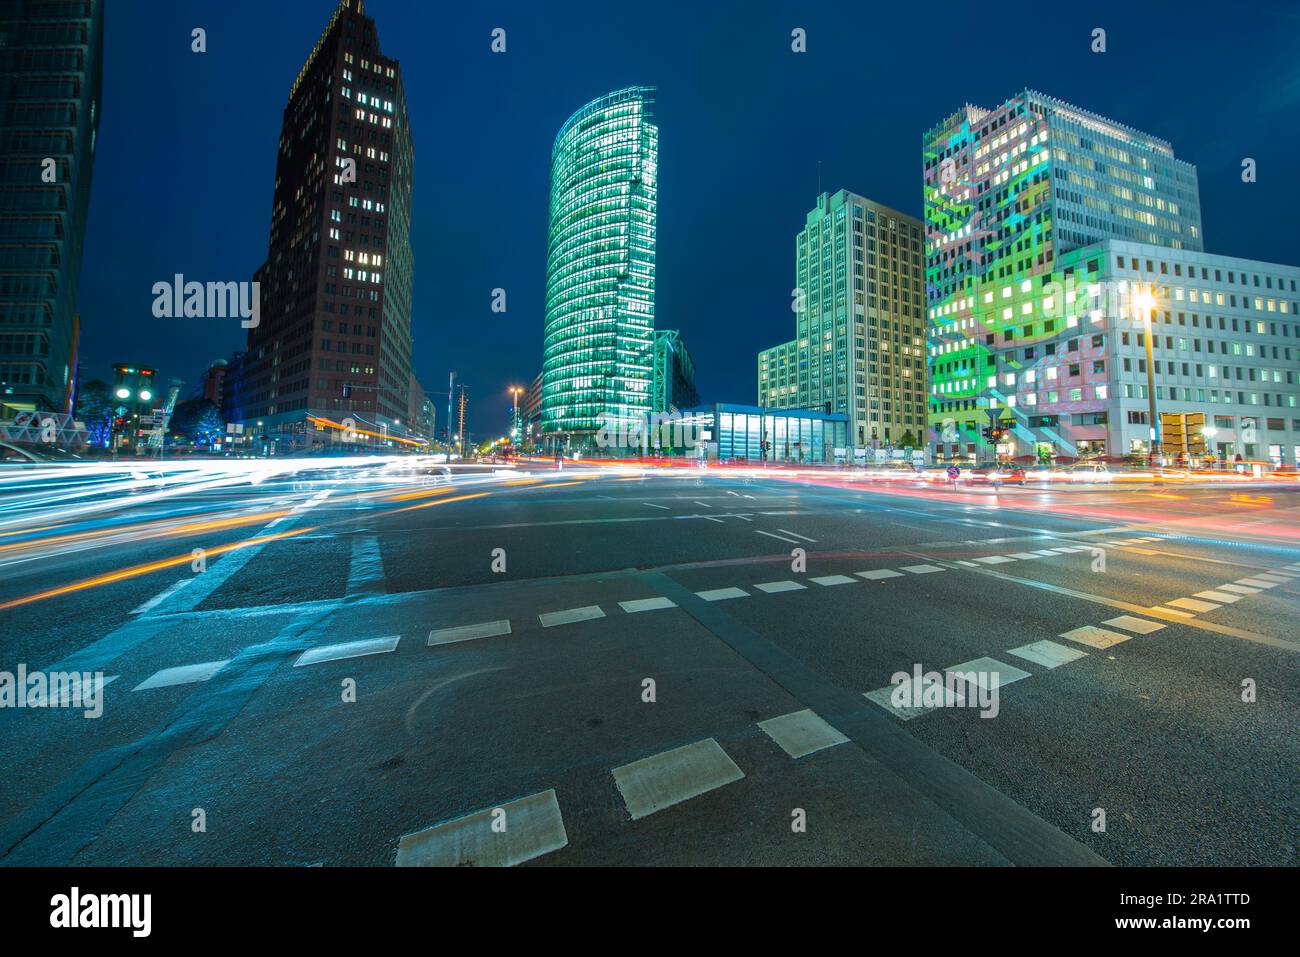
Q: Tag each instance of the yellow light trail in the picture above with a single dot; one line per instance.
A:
(137, 570)
(441, 501)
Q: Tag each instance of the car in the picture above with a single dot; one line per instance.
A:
(994, 475)
(1087, 472)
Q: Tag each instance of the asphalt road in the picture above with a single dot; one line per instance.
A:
(583, 667)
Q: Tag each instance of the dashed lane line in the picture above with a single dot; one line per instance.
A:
(348, 649)
(671, 777)
(988, 673)
(829, 580)
(921, 569)
(796, 535)
(183, 675)
(533, 826)
(801, 733)
(722, 594)
(876, 574)
(792, 541)
(773, 588)
(1193, 604)
(1140, 626)
(570, 615)
(1094, 637)
(1049, 654)
(646, 604)
(486, 629)
(1222, 597)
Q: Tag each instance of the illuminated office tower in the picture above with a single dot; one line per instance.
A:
(1014, 198)
(334, 341)
(859, 299)
(600, 272)
(51, 69)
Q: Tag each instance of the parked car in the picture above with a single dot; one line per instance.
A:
(1087, 472)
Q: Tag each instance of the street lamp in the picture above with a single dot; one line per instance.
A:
(514, 423)
(1145, 304)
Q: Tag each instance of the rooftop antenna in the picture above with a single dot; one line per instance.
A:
(819, 179)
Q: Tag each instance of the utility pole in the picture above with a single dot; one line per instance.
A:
(451, 387)
(460, 427)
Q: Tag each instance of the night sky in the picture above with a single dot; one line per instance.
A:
(186, 158)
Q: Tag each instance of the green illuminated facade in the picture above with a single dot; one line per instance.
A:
(600, 272)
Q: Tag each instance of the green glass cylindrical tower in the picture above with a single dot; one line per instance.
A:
(600, 269)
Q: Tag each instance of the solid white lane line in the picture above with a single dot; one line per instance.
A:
(989, 673)
(792, 541)
(662, 780)
(185, 674)
(570, 615)
(879, 573)
(773, 588)
(921, 569)
(1192, 604)
(704, 504)
(834, 580)
(646, 604)
(1094, 637)
(161, 597)
(796, 535)
(1049, 654)
(801, 733)
(722, 594)
(348, 649)
(526, 828)
(486, 629)
(1131, 623)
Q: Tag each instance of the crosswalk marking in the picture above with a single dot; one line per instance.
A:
(486, 629)
(833, 580)
(802, 732)
(366, 573)
(1256, 583)
(920, 688)
(570, 615)
(533, 826)
(671, 777)
(1046, 552)
(1094, 637)
(646, 604)
(995, 559)
(792, 541)
(1165, 609)
(1138, 626)
(185, 674)
(921, 569)
(722, 594)
(1238, 589)
(1270, 577)
(989, 673)
(1222, 597)
(1193, 604)
(1025, 556)
(775, 587)
(879, 573)
(348, 649)
(161, 597)
(1049, 654)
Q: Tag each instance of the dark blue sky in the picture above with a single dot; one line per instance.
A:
(186, 158)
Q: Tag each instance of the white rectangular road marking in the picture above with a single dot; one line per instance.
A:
(1238, 589)
(989, 672)
(1220, 596)
(73, 691)
(796, 535)
(1046, 552)
(653, 505)
(921, 569)
(834, 580)
(1256, 583)
(1270, 577)
(774, 587)
(1165, 609)
(533, 827)
(185, 674)
(349, 649)
(669, 778)
(1095, 637)
(567, 617)
(161, 597)
(801, 732)
(1025, 556)
(878, 574)
(920, 690)
(960, 561)
(792, 541)
(995, 559)
(1049, 654)
(1192, 604)
(722, 594)
(646, 604)
(1139, 626)
(486, 629)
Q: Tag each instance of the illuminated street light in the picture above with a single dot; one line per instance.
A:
(123, 393)
(145, 395)
(1145, 306)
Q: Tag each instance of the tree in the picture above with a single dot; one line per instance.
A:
(199, 420)
(908, 441)
(95, 409)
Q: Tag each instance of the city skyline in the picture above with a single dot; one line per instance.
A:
(466, 253)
